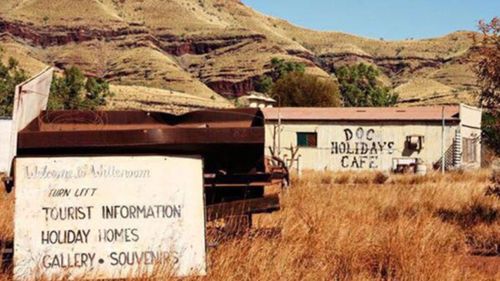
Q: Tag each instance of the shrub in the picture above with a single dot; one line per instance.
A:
(10, 75)
(343, 178)
(380, 178)
(74, 91)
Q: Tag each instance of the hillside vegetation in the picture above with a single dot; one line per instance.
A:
(217, 49)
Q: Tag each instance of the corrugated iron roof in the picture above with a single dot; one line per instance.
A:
(421, 113)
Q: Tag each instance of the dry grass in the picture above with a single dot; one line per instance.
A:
(367, 226)
(145, 98)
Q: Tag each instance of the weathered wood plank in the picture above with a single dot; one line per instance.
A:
(243, 207)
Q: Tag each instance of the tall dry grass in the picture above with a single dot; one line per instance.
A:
(367, 226)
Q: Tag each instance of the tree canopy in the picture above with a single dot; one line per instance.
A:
(359, 86)
(300, 89)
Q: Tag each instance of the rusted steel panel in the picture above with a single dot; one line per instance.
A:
(64, 129)
(129, 120)
(139, 138)
(231, 143)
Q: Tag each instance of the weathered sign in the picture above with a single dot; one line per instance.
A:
(108, 217)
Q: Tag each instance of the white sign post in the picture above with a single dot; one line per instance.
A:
(108, 217)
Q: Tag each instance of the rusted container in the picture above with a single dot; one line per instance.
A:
(231, 142)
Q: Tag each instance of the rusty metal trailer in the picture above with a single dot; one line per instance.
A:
(230, 141)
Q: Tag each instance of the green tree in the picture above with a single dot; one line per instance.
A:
(10, 75)
(491, 130)
(74, 91)
(97, 90)
(300, 89)
(359, 86)
(279, 69)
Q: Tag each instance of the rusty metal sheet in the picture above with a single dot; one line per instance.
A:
(139, 138)
(230, 141)
(267, 204)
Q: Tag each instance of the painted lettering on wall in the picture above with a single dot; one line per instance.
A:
(361, 148)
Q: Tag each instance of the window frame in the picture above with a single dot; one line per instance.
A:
(300, 143)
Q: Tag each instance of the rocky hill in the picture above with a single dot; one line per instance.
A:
(163, 54)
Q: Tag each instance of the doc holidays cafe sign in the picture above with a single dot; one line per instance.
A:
(108, 217)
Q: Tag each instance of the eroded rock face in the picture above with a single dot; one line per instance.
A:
(136, 37)
(233, 89)
(60, 35)
(179, 46)
(391, 66)
(227, 63)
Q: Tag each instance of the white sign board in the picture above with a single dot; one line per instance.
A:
(108, 217)
(30, 99)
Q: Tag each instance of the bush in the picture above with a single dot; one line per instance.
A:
(74, 91)
(380, 178)
(10, 75)
(343, 178)
(299, 89)
(264, 84)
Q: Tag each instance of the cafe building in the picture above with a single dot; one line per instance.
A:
(382, 138)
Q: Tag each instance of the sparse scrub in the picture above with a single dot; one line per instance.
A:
(343, 178)
(484, 239)
(362, 179)
(327, 178)
(380, 178)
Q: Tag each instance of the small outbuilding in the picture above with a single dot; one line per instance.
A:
(257, 100)
(382, 138)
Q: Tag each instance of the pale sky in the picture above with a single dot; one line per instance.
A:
(389, 19)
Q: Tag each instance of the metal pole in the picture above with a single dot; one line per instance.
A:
(442, 142)
(279, 126)
(298, 166)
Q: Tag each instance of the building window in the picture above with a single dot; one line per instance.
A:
(469, 150)
(307, 139)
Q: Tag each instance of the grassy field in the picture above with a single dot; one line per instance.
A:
(347, 226)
